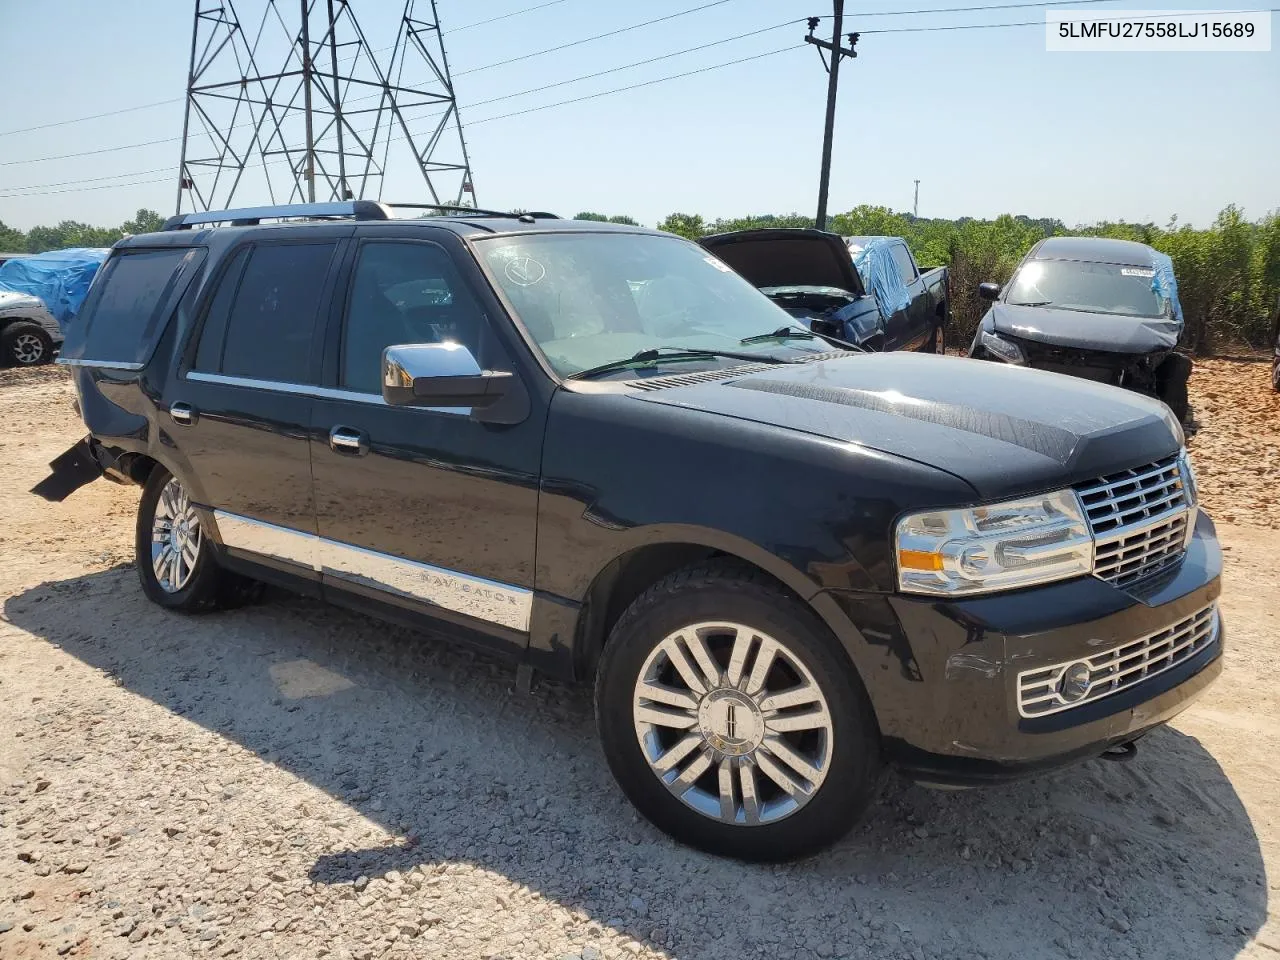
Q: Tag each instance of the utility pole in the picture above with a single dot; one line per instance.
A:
(838, 53)
(915, 205)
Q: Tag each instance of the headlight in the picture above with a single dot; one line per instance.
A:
(999, 547)
(1006, 350)
(1188, 474)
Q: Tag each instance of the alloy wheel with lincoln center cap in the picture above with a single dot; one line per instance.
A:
(733, 723)
(175, 538)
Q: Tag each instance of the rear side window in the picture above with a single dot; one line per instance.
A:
(130, 302)
(902, 259)
(268, 310)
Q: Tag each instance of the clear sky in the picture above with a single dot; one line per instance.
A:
(986, 119)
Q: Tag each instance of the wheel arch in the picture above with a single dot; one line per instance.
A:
(635, 569)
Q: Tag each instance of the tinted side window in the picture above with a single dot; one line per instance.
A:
(273, 317)
(127, 314)
(405, 293)
(903, 259)
(906, 269)
(214, 332)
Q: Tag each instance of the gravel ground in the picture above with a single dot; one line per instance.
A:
(295, 780)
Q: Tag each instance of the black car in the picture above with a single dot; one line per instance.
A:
(782, 566)
(1091, 307)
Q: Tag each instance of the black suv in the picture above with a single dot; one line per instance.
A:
(599, 450)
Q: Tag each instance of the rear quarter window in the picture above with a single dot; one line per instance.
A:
(129, 304)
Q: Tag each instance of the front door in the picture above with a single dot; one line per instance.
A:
(425, 509)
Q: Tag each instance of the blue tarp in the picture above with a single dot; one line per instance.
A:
(60, 278)
(880, 276)
(1163, 282)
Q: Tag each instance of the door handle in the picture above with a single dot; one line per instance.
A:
(349, 441)
(183, 413)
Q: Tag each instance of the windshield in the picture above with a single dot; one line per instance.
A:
(593, 298)
(1091, 287)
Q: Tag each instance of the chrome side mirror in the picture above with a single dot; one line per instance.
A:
(439, 375)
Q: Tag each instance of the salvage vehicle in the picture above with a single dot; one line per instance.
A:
(1092, 307)
(40, 294)
(867, 291)
(783, 566)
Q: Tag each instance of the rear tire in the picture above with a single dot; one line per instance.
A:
(779, 700)
(26, 344)
(175, 561)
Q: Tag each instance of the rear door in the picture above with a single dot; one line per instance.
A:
(241, 406)
(426, 510)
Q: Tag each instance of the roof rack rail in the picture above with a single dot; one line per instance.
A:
(250, 216)
(477, 211)
(351, 209)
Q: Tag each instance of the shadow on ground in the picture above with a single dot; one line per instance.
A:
(1156, 858)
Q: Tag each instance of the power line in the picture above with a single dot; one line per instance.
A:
(506, 16)
(517, 113)
(592, 39)
(520, 93)
(637, 86)
(552, 3)
(92, 116)
(163, 103)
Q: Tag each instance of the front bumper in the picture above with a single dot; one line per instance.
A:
(943, 675)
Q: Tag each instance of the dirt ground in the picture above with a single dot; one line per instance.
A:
(297, 781)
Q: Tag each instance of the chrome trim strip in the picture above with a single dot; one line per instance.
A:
(258, 536)
(477, 597)
(309, 390)
(1119, 668)
(501, 603)
(101, 364)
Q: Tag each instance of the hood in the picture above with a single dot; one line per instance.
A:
(1086, 331)
(1005, 430)
(10, 299)
(780, 257)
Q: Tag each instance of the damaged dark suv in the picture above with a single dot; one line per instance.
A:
(1092, 307)
(599, 451)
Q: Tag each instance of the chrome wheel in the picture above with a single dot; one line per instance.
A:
(733, 723)
(175, 538)
(28, 348)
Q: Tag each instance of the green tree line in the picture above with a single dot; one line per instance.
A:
(1228, 274)
(73, 233)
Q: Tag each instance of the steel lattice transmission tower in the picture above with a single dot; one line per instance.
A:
(294, 104)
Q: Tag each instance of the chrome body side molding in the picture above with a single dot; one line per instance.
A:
(500, 603)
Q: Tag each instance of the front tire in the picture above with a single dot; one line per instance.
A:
(26, 344)
(175, 561)
(731, 718)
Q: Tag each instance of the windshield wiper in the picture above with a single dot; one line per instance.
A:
(782, 333)
(669, 354)
(791, 333)
(1033, 303)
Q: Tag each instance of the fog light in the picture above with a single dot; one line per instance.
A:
(1074, 683)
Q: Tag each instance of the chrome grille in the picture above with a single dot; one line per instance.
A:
(1139, 518)
(1047, 690)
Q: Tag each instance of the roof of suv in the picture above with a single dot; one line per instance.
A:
(1094, 250)
(459, 224)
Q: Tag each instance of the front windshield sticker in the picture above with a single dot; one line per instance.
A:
(524, 271)
(1136, 272)
(719, 264)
